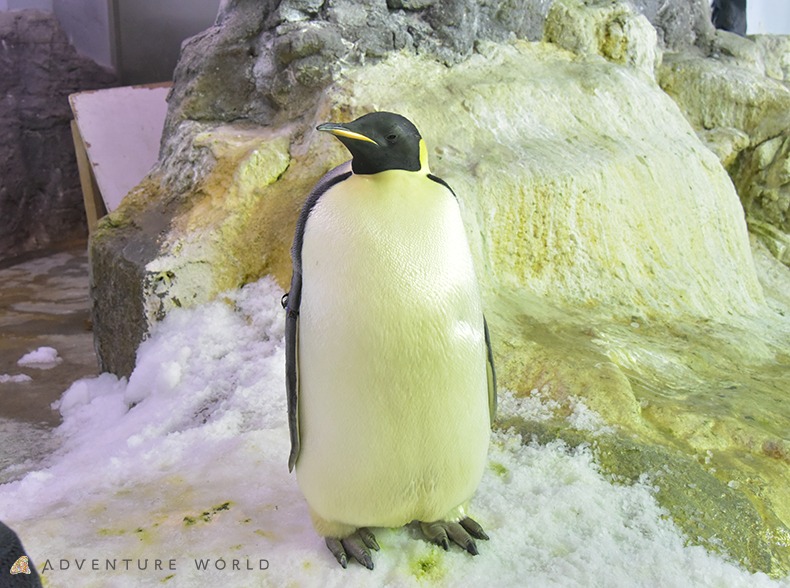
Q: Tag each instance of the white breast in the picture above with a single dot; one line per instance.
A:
(392, 377)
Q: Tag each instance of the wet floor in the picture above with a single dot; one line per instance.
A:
(44, 303)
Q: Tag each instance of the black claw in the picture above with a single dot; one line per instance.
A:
(474, 528)
(337, 549)
(462, 534)
(368, 538)
(355, 545)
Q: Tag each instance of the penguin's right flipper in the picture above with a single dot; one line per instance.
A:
(357, 545)
(292, 302)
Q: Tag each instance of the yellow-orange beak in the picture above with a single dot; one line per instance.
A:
(341, 131)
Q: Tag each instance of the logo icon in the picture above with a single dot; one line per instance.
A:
(20, 566)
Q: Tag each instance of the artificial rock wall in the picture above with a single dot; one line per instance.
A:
(267, 61)
(738, 100)
(40, 196)
(263, 68)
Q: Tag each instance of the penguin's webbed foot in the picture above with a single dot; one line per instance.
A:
(462, 533)
(357, 545)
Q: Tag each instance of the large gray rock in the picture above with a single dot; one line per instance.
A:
(680, 25)
(220, 210)
(40, 195)
(267, 62)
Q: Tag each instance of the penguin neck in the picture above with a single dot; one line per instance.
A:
(363, 168)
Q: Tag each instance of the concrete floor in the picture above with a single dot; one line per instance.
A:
(44, 302)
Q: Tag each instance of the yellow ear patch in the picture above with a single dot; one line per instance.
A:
(424, 157)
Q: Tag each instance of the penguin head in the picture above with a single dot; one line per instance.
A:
(380, 141)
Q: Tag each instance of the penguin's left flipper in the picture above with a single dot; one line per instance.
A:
(462, 533)
(357, 545)
(491, 374)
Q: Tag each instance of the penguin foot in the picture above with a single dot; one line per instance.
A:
(462, 533)
(357, 545)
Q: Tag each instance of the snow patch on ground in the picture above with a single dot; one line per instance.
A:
(42, 358)
(14, 379)
(182, 471)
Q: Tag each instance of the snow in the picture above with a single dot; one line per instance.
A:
(31, 443)
(14, 379)
(42, 358)
(182, 471)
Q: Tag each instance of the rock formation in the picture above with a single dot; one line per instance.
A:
(266, 61)
(739, 101)
(267, 64)
(40, 194)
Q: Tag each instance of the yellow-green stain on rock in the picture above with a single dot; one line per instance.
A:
(145, 536)
(207, 515)
(104, 532)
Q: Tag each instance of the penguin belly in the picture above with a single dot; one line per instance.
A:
(393, 402)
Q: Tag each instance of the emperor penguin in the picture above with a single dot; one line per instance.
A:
(390, 379)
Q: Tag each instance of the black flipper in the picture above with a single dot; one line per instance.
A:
(293, 302)
(492, 401)
(292, 364)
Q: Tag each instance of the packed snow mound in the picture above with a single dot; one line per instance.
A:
(179, 476)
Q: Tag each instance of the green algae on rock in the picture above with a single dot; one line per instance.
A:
(707, 393)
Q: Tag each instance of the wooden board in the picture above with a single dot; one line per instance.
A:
(91, 196)
(116, 135)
